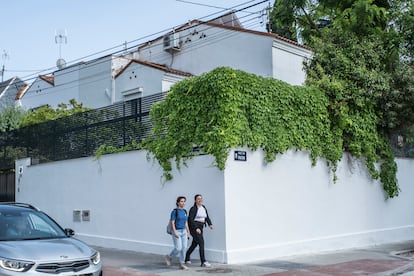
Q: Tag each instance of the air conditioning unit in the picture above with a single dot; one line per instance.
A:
(171, 42)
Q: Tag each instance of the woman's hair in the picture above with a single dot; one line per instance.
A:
(197, 195)
(179, 199)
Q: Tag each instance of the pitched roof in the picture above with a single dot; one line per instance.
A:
(22, 91)
(9, 90)
(156, 66)
(232, 24)
(5, 84)
(14, 83)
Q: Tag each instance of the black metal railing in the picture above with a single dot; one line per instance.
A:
(401, 147)
(81, 134)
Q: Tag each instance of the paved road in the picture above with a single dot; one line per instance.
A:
(384, 260)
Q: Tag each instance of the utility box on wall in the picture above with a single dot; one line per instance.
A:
(76, 215)
(86, 215)
(81, 215)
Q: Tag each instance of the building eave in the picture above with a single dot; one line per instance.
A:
(155, 66)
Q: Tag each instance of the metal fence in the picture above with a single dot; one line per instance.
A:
(401, 147)
(81, 134)
(7, 187)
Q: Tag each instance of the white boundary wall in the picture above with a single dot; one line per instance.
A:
(288, 207)
(260, 211)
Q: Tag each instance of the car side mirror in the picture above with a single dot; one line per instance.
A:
(69, 232)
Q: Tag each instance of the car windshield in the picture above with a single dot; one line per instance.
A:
(27, 225)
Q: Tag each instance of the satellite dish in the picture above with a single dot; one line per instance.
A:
(61, 63)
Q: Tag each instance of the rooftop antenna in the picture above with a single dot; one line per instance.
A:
(5, 56)
(61, 38)
(268, 23)
(125, 47)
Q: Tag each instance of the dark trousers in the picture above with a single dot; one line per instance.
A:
(198, 239)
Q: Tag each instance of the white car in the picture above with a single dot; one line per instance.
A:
(32, 243)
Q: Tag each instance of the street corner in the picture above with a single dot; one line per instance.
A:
(116, 271)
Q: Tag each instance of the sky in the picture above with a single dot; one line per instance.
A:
(95, 28)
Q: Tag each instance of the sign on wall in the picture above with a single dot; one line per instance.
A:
(240, 155)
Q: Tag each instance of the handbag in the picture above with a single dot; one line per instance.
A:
(169, 226)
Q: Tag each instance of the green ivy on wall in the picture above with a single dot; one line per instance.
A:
(228, 108)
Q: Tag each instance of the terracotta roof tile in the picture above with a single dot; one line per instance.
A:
(49, 79)
(233, 28)
(21, 91)
(156, 66)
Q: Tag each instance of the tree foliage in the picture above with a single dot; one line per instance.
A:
(47, 113)
(350, 72)
(367, 45)
(363, 61)
(304, 19)
(10, 118)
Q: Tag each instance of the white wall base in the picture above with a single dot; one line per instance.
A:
(326, 244)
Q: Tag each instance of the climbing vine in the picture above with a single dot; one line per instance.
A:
(108, 149)
(227, 108)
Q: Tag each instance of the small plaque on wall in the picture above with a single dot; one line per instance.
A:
(240, 155)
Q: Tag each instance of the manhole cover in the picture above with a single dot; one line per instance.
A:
(217, 270)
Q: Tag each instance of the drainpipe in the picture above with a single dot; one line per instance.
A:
(113, 90)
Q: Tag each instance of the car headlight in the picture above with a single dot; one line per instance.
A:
(96, 258)
(15, 265)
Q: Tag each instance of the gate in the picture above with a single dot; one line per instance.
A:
(7, 187)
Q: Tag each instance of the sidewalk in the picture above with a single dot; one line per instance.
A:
(383, 260)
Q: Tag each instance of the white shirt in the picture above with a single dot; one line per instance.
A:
(201, 214)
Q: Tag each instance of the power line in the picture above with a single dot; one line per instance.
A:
(219, 35)
(210, 6)
(204, 5)
(112, 50)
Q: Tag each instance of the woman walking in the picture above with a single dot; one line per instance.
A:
(197, 219)
(180, 232)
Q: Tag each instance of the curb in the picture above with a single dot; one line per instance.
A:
(115, 271)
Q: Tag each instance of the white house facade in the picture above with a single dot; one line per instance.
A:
(192, 49)
(100, 83)
(53, 90)
(96, 82)
(199, 47)
(140, 78)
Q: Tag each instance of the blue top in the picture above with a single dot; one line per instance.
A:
(180, 219)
